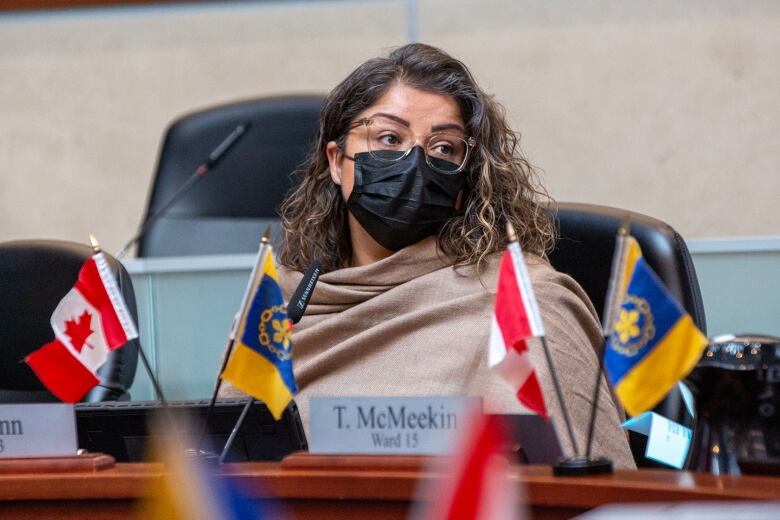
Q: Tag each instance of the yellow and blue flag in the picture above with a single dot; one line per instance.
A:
(190, 489)
(261, 362)
(653, 342)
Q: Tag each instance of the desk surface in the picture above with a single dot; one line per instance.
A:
(360, 487)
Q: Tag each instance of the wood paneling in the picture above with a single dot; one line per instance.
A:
(361, 487)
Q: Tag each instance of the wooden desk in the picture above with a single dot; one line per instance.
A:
(359, 487)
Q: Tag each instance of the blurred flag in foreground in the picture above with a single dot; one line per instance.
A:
(189, 489)
(477, 483)
(261, 361)
(515, 319)
(652, 342)
(89, 322)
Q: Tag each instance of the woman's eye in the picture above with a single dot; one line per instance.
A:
(442, 149)
(389, 139)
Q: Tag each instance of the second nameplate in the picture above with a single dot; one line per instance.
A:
(388, 425)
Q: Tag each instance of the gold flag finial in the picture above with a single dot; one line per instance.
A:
(625, 225)
(510, 229)
(94, 242)
(266, 234)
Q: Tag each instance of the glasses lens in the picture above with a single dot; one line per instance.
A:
(446, 152)
(388, 140)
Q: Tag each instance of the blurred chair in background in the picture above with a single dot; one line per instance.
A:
(34, 276)
(584, 250)
(227, 210)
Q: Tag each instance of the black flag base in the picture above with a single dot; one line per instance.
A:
(580, 466)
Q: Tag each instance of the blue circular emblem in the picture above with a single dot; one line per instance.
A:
(634, 327)
(274, 331)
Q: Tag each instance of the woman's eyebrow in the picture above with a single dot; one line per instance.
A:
(404, 122)
(448, 126)
(394, 118)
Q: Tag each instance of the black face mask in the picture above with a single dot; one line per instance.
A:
(400, 203)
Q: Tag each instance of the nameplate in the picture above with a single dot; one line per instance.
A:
(37, 430)
(667, 441)
(388, 425)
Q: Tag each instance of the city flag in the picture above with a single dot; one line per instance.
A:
(89, 322)
(653, 342)
(627, 252)
(190, 489)
(261, 361)
(516, 318)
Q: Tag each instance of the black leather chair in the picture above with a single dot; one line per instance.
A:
(586, 244)
(584, 251)
(34, 276)
(227, 210)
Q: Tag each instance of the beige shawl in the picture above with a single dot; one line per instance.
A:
(412, 324)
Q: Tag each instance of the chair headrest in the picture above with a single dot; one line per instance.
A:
(586, 244)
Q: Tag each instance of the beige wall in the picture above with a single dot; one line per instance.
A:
(669, 108)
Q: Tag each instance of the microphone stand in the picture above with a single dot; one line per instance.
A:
(214, 157)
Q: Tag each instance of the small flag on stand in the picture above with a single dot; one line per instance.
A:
(515, 319)
(89, 322)
(627, 252)
(260, 363)
(653, 342)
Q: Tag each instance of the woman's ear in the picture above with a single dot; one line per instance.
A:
(335, 156)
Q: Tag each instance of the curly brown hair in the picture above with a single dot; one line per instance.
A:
(502, 186)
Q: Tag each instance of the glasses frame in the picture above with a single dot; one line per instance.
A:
(471, 143)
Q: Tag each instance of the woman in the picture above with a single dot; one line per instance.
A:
(405, 201)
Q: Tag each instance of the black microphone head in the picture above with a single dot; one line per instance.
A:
(222, 148)
(302, 295)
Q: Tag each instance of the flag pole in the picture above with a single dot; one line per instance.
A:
(587, 465)
(234, 432)
(559, 394)
(596, 395)
(615, 290)
(144, 361)
(520, 263)
(238, 320)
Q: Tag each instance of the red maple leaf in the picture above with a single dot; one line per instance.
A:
(79, 330)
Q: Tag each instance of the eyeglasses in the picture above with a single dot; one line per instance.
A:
(389, 141)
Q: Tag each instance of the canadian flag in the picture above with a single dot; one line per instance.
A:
(516, 318)
(477, 483)
(89, 322)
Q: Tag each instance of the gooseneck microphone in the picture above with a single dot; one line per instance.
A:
(211, 161)
(302, 295)
(222, 148)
